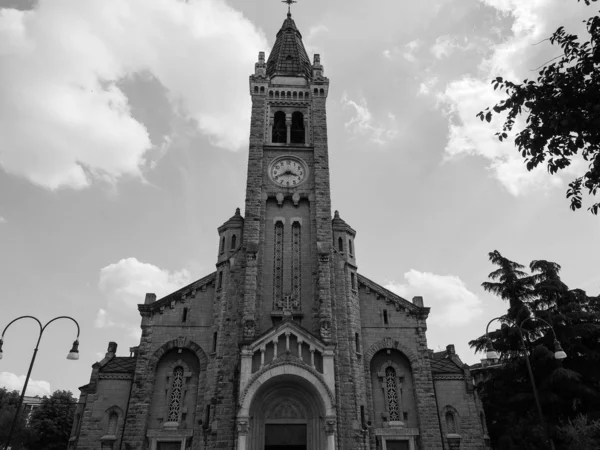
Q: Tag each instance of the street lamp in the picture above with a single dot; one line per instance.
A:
(73, 355)
(559, 354)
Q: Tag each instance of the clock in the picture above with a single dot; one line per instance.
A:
(288, 171)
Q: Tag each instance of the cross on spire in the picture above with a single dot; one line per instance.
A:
(289, 3)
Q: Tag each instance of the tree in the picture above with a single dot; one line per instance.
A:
(562, 109)
(8, 406)
(566, 388)
(50, 423)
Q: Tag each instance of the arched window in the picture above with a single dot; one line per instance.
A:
(301, 95)
(279, 128)
(233, 242)
(296, 263)
(298, 135)
(392, 394)
(270, 94)
(295, 94)
(176, 394)
(340, 244)
(307, 95)
(276, 94)
(256, 89)
(316, 92)
(322, 92)
(222, 246)
(350, 249)
(113, 420)
(289, 94)
(262, 89)
(450, 423)
(278, 266)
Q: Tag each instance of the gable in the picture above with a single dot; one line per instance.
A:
(389, 297)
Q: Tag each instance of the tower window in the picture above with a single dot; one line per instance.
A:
(289, 94)
(450, 423)
(262, 89)
(300, 95)
(276, 94)
(279, 128)
(322, 92)
(214, 343)
(278, 267)
(295, 94)
(298, 135)
(270, 94)
(113, 420)
(185, 314)
(357, 342)
(256, 89)
(222, 245)
(340, 244)
(350, 249)
(307, 94)
(296, 264)
(233, 242)
(353, 281)
(316, 92)
(220, 281)
(385, 317)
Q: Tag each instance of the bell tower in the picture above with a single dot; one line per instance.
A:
(287, 231)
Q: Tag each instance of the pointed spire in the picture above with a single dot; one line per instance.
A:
(288, 56)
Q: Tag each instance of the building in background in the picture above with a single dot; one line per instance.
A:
(285, 345)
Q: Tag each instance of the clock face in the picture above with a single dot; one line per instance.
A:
(288, 171)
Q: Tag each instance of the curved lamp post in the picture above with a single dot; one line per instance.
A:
(73, 354)
(559, 353)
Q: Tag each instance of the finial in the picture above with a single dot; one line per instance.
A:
(289, 3)
(237, 211)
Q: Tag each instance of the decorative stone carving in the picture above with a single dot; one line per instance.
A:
(325, 330)
(162, 309)
(330, 426)
(296, 199)
(180, 342)
(249, 329)
(279, 198)
(287, 409)
(243, 427)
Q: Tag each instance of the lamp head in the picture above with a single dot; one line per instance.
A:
(559, 353)
(74, 353)
(490, 352)
(1, 342)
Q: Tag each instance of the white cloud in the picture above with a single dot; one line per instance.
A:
(451, 302)
(512, 59)
(427, 84)
(445, 45)
(14, 382)
(362, 123)
(125, 285)
(64, 121)
(410, 49)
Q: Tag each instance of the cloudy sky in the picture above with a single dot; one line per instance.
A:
(123, 145)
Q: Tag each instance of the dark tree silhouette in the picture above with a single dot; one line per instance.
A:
(568, 387)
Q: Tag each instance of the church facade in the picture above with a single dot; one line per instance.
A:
(286, 346)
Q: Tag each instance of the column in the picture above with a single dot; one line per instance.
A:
(242, 428)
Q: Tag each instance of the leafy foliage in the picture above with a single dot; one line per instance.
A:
(563, 111)
(567, 388)
(50, 423)
(8, 406)
(580, 434)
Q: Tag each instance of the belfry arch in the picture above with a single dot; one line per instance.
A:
(286, 406)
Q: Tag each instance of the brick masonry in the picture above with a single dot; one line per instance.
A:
(205, 325)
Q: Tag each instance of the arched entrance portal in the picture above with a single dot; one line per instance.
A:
(286, 411)
(286, 416)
